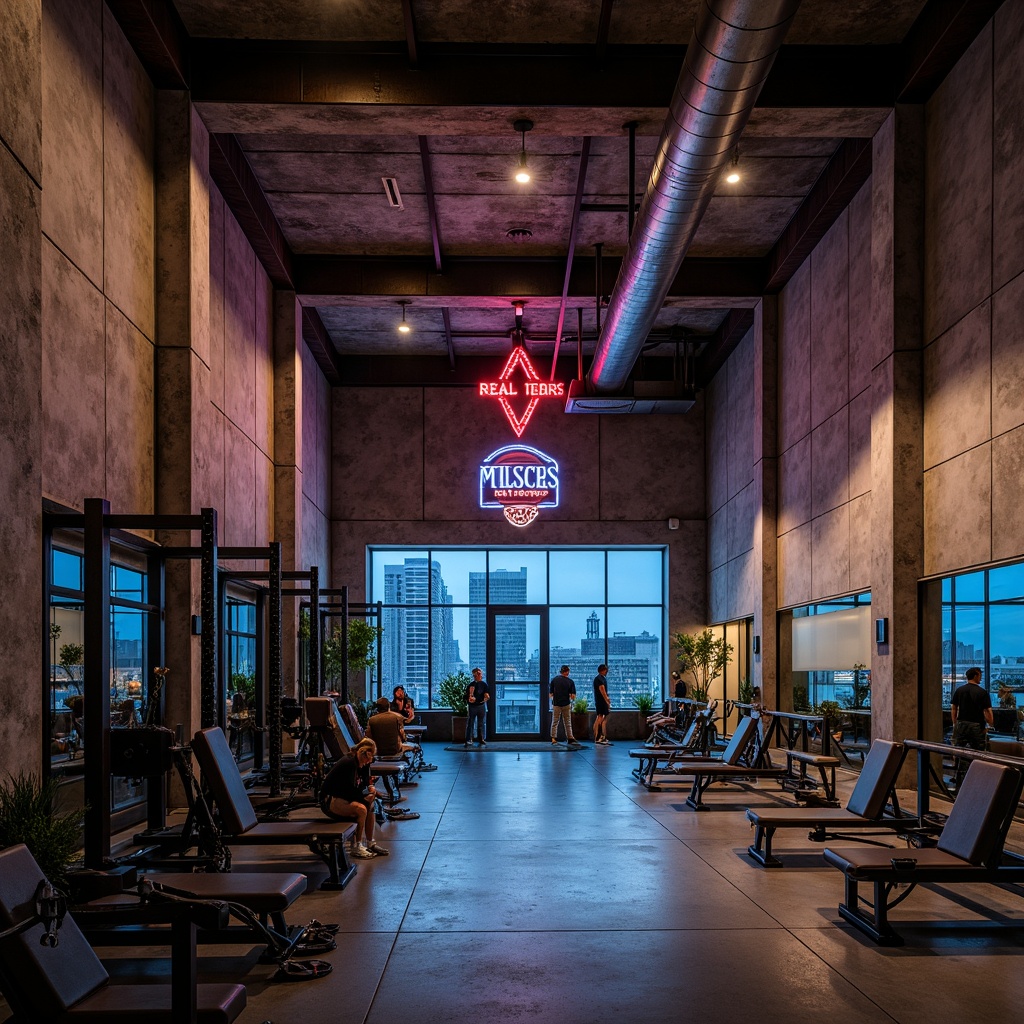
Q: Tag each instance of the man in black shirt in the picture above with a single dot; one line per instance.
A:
(603, 705)
(562, 691)
(477, 696)
(971, 707)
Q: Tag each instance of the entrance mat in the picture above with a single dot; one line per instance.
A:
(517, 747)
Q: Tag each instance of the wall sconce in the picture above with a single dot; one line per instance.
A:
(403, 327)
(522, 170)
(881, 631)
(757, 644)
(673, 523)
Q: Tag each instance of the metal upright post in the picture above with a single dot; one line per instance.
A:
(344, 645)
(313, 661)
(96, 683)
(208, 613)
(274, 709)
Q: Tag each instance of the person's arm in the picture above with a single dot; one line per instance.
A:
(954, 707)
(487, 695)
(989, 717)
(604, 694)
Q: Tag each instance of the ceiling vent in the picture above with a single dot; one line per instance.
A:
(391, 191)
(639, 397)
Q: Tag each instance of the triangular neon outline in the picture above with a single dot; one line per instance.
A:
(518, 357)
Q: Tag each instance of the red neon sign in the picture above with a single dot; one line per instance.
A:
(533, 388)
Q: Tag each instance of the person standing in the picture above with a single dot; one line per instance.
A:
(971, 707)
(477, 696)
(562, 691)
(603, 705)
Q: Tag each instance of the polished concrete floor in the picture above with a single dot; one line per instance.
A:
(541, 887)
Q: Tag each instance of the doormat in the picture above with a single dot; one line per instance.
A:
(517, 747)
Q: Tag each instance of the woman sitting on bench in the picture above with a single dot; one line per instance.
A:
(348, 794)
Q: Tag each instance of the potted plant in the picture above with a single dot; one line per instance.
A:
(452, 694)
(580, 718)
(27, 816)
(831, 718)
(644, 703)
(361, 653)
(704, 656)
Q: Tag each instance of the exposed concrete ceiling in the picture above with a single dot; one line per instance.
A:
(313, 102)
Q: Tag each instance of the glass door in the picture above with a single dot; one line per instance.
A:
(517, 645)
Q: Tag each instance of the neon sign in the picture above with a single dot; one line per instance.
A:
(532, 388)
(519, 480)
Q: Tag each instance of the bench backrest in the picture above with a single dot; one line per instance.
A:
(350, 726)
(325, 720)
(221, 774)
(742, 738)
(877, 777)
(40, 983)
(981, 813)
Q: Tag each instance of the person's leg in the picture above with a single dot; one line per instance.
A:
(554, 725)
(481, 736)
(351, 809)
(567, 710)
(371, 823)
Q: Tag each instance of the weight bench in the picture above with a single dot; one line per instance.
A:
(55, 977)
(875, 788)
(663, 758)
(328, 721)
(970, 849)
(797, 782)
(742, 751)
(238, 819)
(264, 895)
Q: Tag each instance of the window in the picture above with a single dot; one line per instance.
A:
(603, 606)
(983, 625)
(240, 643)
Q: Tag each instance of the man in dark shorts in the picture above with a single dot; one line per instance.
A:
(562, 691)
(603, 705)
(971, 707)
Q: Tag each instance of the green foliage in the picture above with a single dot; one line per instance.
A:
(245, 684)
(27, 816)
(746, 691)
(801, 702)
(861, 696)
(70, 657)
(704, 656)
(304, 625)
(363, 710)
(362, 648)
(644, 703)
(580, 706)
(452, 692)
(830, 711)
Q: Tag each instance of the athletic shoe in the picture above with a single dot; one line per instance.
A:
(467, 744)
(380, 851)
(362, 853)
(554, 743)
(482, 743)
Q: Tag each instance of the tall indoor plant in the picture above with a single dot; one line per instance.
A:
(452, 694)
(704, 655)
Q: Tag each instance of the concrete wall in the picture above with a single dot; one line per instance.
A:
(405, 471)
(974, 305)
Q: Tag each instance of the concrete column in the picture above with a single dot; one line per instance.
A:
(766, 378)
(288, 420)
(23, 622)
(184, 473)
(897, 250)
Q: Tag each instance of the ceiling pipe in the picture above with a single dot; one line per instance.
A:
(731, 52)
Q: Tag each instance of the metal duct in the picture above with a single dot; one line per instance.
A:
(730, 54)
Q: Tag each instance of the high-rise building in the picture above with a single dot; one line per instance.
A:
(409, 647)
(500, 586)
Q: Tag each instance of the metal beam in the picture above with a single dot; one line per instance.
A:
(428, 186)
(410, 34)
(604, 23)
(581, 179)
(837, 184)
(322, 280)
(232, 174)
(446, 315)
(936, 41)
(318, 339)
(630, 77)
(157, 35)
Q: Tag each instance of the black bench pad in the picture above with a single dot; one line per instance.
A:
(265, 892)
(217, 1004)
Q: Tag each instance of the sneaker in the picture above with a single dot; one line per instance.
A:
(379, 851)
(467, 744)
(362, 853)
(554, 743)
(570, 742)
(482, 743)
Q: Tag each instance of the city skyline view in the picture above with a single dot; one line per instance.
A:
(436, 610)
